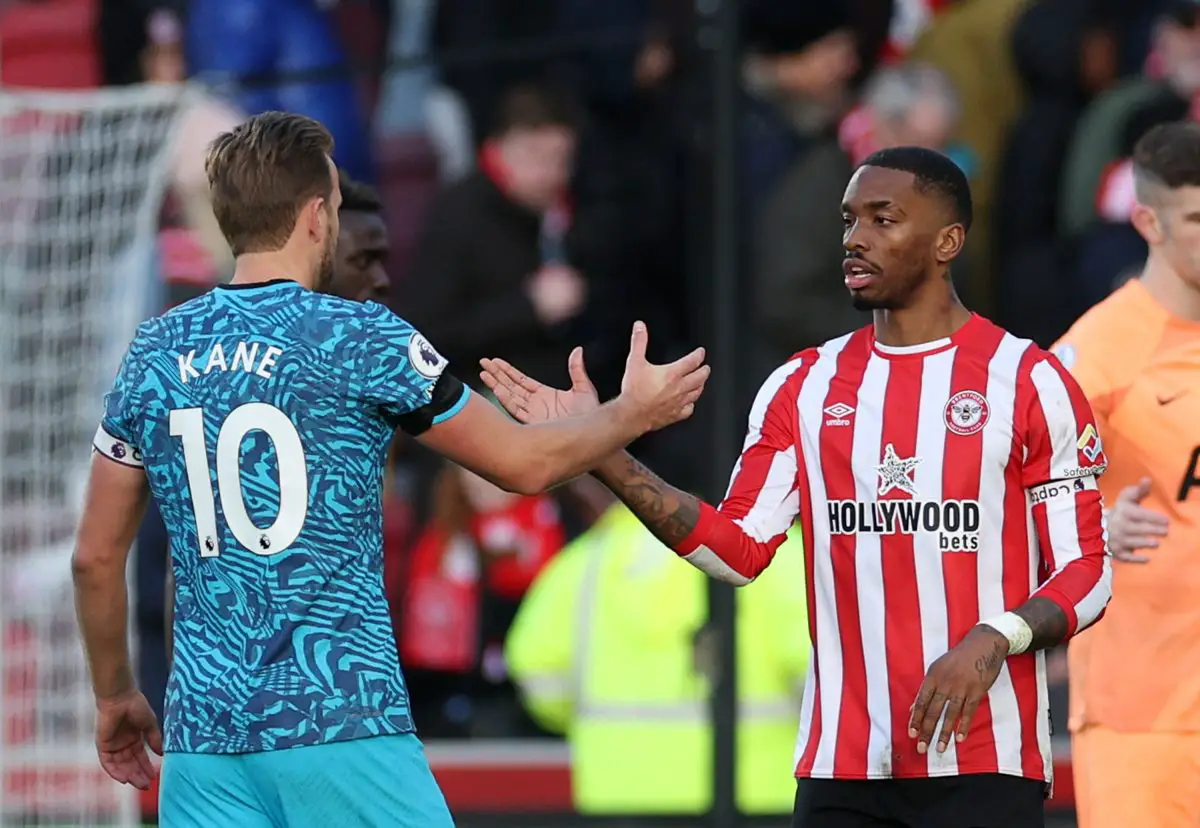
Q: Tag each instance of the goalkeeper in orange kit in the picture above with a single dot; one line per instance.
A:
(1135, 686)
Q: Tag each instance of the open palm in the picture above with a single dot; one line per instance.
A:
(531, 401)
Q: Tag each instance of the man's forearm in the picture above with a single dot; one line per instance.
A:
(102, 605)
(666, 511)
(1046, 620)
(565, 449)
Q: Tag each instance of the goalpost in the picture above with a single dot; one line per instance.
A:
(82, 175)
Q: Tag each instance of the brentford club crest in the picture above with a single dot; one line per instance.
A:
(967, 413)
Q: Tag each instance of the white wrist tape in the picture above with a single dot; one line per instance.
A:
(1015, 629)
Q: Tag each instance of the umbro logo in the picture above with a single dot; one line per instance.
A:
(838, 414)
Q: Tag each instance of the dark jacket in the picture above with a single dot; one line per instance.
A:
(466, 288)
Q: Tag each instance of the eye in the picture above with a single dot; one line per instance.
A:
(884, 220)
(847, 220)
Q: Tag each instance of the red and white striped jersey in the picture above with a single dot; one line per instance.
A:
(937, 485)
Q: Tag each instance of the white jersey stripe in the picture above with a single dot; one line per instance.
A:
(811, 402)
(1001, 395)
(936, 376)
(872, 608)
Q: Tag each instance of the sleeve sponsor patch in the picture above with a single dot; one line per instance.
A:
(114, 448)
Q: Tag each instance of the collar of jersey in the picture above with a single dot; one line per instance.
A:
(924, 349)
(257, 285)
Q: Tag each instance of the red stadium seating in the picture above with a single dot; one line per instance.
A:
(49, 44)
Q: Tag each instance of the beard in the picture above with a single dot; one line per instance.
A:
(325, 269)
(868, 303)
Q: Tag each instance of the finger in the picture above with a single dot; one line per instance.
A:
(953, 710)
(929, 722)
(1138, 531)
(1130, 557)
(638, 342)
(144, 765)
(1142, 516)
(114, 768)
(695, 380)
(916, 713)
(1137, 492)
(693, 396)
(687, 411)
(580, 381)
(155, 739)
(964, 721)
(687, 364)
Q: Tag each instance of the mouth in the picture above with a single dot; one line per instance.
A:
(858, 273)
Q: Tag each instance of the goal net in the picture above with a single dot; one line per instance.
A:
(82, 175)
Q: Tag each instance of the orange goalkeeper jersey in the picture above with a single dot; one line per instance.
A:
(1138, 669)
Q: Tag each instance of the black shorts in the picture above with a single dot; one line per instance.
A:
(985, 800)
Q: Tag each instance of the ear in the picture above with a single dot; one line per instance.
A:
(317, 217)
(949, 243)
(1146, 221)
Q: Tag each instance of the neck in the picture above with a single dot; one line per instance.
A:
(935, 313)
(250, 268)
(1169, 290)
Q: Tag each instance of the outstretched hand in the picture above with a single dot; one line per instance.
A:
(661, 394)
(530, 401)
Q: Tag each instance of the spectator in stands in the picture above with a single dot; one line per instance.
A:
(463, 582)
(192, 251)
(969, 40)
(253, 45)
(1066, 51)
(800, 300)
(801, 59)
(1097, 194)
(493, 272)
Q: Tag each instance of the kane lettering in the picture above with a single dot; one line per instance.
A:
(245, 359)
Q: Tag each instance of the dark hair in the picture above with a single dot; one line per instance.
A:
(1168, 156)
(262, 173)
(533, 107)
(934, 174)
(357, 196)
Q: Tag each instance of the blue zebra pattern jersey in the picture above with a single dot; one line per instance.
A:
(262, 415)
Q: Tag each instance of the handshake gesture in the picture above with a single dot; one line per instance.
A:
(656, 396)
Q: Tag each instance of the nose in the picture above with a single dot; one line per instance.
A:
(854, 238)
(379, 281)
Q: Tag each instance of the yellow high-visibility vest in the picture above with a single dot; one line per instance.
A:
(603, 652)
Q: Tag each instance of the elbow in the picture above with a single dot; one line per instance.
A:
(527, 478)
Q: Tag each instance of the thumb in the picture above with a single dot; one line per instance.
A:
(579, 376)
(638, 342)
(1137, 493)
(155, 739)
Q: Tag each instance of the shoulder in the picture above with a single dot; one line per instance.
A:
(1110, 341)
(394, 342)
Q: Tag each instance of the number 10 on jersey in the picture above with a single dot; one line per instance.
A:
(188, 425)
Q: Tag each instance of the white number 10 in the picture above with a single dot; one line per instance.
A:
(188, 425)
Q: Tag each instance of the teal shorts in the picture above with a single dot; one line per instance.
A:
(366, 783)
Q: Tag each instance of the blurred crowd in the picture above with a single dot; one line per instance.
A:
(538, 173)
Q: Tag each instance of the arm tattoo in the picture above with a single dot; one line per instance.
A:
(1047, 620)
(667, 512)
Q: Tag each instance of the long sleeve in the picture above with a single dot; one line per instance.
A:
(736, 541)
(1063, 459)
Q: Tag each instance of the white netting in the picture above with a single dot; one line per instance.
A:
(81, 180)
